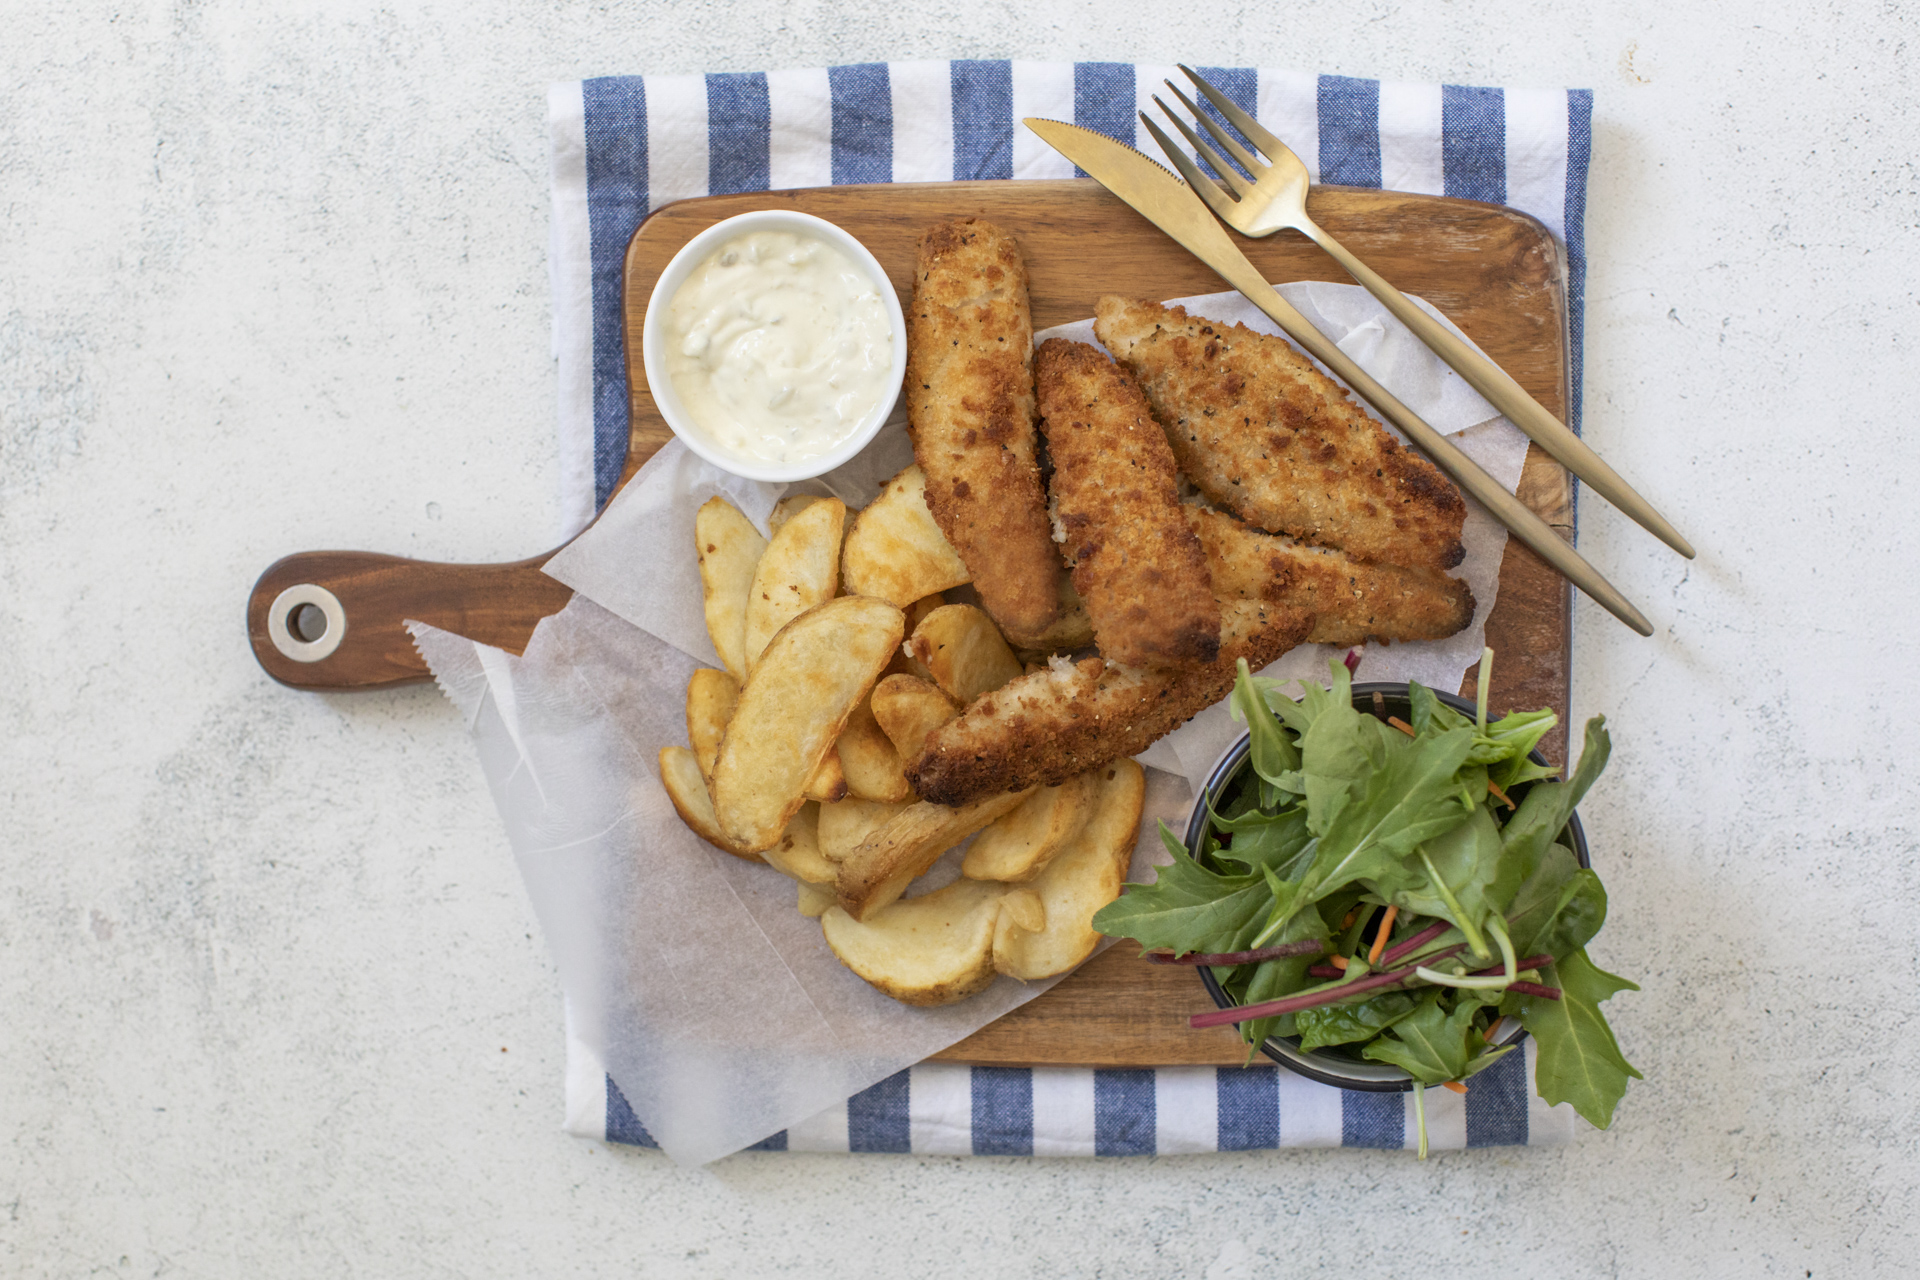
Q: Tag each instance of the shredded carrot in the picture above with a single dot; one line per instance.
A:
(1348, 922)
(1455, 1085)
(1380, 938)
(1401, 725)
(1493, 1029)
(1493, 788)
(1338, 962)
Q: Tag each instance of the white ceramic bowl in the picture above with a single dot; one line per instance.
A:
(653, 339)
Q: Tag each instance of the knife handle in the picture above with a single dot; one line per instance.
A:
(339, 618)
(1505, 395)
(1507, 509)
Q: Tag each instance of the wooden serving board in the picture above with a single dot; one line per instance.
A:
(1496, 273)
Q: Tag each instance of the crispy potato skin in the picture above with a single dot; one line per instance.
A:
(1116, 499)
(1265, 434)
(970, 406)
(1351, 602)
(1049, 725)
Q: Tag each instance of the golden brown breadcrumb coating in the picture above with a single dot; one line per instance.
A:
(1048, 725)
(1351, 602)
(1266, 435)
(1116, 507)
(970, 406)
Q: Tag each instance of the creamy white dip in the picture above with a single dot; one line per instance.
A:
(778, 345)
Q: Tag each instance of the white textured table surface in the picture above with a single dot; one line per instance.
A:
(272, 1001)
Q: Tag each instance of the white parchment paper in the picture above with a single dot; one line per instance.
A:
(716, 1006)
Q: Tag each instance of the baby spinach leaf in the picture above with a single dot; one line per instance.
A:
(1580, 1062)
(1516, 733)
(1276, 842)
(1575, 916)
(1411, 796)
(1289, 711)
(1469, 862)
(1429, 714)
(1429, 1044)
(1535, 900)
(1271, 749)
(1188, 908)
(1344, 1024)
(1544, 813)
(1507, 739)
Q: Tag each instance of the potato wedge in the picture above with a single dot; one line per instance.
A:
(964, 650)
(889, 860)
(814, 900)
(810, 677)
(896, 551)
(844, 827)
(828, 785)
(933, 950)
(680, 775)
(799, 569)
(1023, 909)
(789, 507)
(907, 709)
(874, 770)
(1019, 846)
(729, 548)
(796, 854)
(904, 663)
(711, 697)
(1084, 877)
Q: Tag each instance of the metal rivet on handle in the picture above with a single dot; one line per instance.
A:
(296, 600)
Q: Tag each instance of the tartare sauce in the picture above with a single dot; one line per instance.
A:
(778, 345)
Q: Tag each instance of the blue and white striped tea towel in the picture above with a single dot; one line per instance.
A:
(624, 146)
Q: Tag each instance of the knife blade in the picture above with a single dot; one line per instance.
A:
(1164, 200)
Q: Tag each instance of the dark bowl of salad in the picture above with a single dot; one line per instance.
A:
(1384, 888)
(1340, 1063)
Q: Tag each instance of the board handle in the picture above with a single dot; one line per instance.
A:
(333, 619)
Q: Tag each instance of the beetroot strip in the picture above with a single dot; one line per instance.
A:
(1303, 947)
(1311, 999)
(1534, 989)
(1414, 943)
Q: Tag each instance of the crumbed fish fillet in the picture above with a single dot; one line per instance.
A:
(1044, 727)
(1351, 602)
(1266, 435)
(970, 406)
(1116, 506)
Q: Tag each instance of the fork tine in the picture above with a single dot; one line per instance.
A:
(1248, 161)
(1207, 153)
(1216, 199)
(1239, 119)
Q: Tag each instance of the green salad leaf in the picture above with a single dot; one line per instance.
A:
(1260, 840)
(1580, 1061)
(1187, 908)
(1346, 1023)
(1431, 1044)
(1574, 915)
(1475, 878)
(1544, 813)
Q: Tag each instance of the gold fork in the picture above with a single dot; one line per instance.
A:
(1276, 199)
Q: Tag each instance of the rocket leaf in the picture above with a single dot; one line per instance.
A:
(1188, 908)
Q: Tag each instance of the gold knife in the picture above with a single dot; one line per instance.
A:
(1165, 201)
